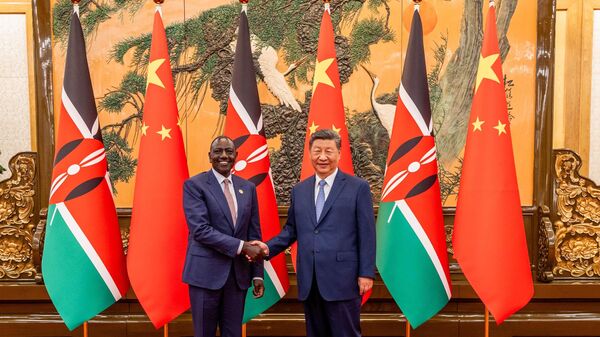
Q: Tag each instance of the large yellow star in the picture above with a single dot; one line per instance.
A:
(152, 75)
(501, 128)
(477, 124)
(144, 128)
(337, 130)
(164, 133)
(485, 69)
(321, 74)
(313, 128)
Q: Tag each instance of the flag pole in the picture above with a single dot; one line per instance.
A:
(486, 315)
(166, 326)
(487, 322)
(416, 6)
(76, 10)
(244, 9)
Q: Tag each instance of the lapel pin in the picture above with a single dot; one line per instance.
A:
(241, 192)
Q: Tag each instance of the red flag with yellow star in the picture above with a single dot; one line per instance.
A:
(158, 234)
(489, 236)
(326, 106)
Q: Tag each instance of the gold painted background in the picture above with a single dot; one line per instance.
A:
(442, 19)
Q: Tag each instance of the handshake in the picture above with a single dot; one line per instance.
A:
(255, 251)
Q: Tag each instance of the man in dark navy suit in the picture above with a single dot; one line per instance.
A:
(222, 216)
(331, 217)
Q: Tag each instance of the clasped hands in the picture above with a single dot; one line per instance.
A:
(255, 250)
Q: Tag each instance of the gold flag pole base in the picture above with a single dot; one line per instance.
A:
(166, 330)
(487, 322)
(243, 330)
(85, 329)
(407, 328)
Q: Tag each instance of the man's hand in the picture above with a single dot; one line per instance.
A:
(263, 246)
(259, 288)
(364, 284)
(253, 252)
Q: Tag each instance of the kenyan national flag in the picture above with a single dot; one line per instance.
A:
(411, 241)
(83, 263)
(244, 125)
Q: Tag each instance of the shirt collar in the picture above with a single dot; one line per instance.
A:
(329, 179)
(220, 177)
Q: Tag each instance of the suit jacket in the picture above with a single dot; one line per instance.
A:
(340, 246)
(213, 242)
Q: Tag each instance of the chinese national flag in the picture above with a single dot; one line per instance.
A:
(158, 235)
(326, 106)
(489, 236)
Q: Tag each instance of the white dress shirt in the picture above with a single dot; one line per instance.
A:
(328, 184)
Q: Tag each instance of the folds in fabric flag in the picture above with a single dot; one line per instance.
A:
(326, 106)
(244, 124)
(411, 239)
(158, 234)
(83, 261)
(489, 224)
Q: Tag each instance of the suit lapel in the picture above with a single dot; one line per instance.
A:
(308, 192)
(338, 185)
(217, 192)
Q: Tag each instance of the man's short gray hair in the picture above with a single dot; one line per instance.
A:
(326, 134)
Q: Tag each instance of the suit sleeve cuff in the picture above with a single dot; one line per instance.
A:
(239, 251)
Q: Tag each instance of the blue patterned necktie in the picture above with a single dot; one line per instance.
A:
(320, 198)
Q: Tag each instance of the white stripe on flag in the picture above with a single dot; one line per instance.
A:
(414, 111)
(416, 227)
(243, 113)
(274, 278)
(75, 116)
(89, 250)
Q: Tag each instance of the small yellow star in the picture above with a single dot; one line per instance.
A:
(321, 74)
(144, 128)
(477, 124)
(485, 69)
(335, 129)
(180, 121)
(501, 128)
(152, 75)
(164, 133)
(313, 128)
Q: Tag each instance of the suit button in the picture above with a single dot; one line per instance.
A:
(316, 231)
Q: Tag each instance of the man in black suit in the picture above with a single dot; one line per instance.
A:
(222, 216)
